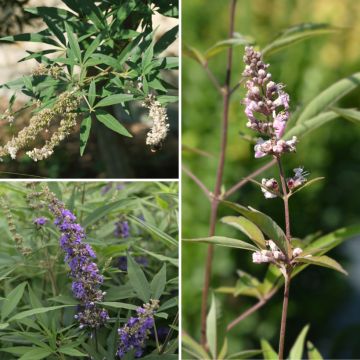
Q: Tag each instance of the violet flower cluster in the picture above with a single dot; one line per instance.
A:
(122, 229)
(267, 107)
(136, 331)
(83, 270)
(40, 221)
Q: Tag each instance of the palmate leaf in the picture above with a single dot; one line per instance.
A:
(224, 241)
(329, 96)
(323, 261)
(248, 228)
(297, 349)
(296, 34)
(264, 222)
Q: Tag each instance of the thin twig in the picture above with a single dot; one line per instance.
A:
(212, 77)
(197, 181)
(169, 334)
(248, 178)
(284, 315)
(219, 177)
(285, 198)
(252, 309)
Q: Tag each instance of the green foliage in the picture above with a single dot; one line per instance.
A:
(36, 303)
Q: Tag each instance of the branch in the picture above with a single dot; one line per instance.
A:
(244, 181)
(197, 181)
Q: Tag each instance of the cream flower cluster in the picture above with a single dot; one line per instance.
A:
(65, 109)
(160, 127)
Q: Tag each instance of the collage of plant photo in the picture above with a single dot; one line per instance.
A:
(179, 179)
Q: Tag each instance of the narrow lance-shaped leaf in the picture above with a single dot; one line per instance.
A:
(114, 100)
(85, 128)
(349, 114)
(138, 280)
(113, 124)
(323, 261)
(308, 183)
(192, 347)
(224, 241)
(158, 283)
(329, 96)
(211, 328)
(268, 352)
(296, 34)
(248, 228)
(267, 225)
(313, 352)
(12, 300)
(297, 350)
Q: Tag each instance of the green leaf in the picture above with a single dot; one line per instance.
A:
(211, 328)
(114, 100)
(12, 300)
(305, 127)
(158, 283)
(113, 124)
(118, 305)
(166, 40)
(36, 37)
(148, 56)
(4, 326)
(324, 261)
(268, 351)
(224, 350)
(85, 128)
(32, 312)
(296, 34)
(224, 241)
(138, 280)
(246, 354)
(297, 350)
(17, 350)
(248, 228)
(267, 225)
(195, 54)
(225, 44)
(71, 351)
(329, 96)
(313, 353)
(308, 183)
(349, 114)
(92, 93)
(154, 231)
(162, 258)
(102, 211)
(36, 354)
(195, 349)
(73, 42)
(93, 47)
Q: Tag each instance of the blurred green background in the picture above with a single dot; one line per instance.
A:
(325, 299)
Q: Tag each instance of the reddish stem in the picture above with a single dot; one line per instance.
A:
(226, 93)
(284, 315)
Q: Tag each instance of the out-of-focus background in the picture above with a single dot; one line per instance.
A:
(107, 155)
(327, 300)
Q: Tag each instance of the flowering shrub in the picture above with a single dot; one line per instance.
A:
(278, 131)
(64, 292)
(99, 55)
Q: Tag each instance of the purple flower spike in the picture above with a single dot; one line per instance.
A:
(84, 272)
(136, 331)
(41, 221)
(122, 229)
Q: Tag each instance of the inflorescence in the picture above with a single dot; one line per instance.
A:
(160, 127)
(137, 330)
(122, 229)
(64, 108)
(267, 107)
(83, 270)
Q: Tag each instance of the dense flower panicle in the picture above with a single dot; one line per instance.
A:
(160, 127)
(298, 179)
(83, 270)
(137, 330)
(274, 147)
(270, 184)
(122, 229)
(267, 105)
(41, 221)
(65, 109)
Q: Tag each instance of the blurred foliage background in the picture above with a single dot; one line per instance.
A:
(326, 300)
